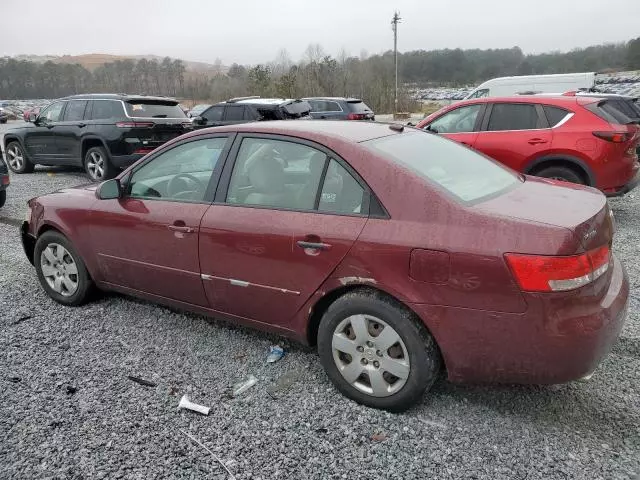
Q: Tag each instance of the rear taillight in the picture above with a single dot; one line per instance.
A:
(135, 124)
(356, 116)
(537, 273)
(615, 137)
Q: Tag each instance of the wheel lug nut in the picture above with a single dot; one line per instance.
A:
(379, 353)
(360, 349)
(369, 344)
(364, 361)
(376, 364)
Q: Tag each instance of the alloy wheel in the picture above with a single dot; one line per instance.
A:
(15, 157)
(59, 269)
(95, 166)
(370, 355)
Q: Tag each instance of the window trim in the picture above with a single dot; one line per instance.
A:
(210, 192)
(225, 178)
(84, 112)
(542, 120)
(62, 110)
(476, 126)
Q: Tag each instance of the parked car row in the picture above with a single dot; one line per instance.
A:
(105, 133)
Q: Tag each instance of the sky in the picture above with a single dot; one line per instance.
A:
(253, 31)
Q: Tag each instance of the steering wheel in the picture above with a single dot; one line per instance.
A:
(175, 190)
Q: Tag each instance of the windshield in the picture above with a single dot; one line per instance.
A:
(462, 172)
(151, 109)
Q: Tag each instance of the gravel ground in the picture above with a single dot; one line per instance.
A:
(68, 410)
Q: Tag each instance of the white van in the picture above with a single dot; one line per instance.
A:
(529, 84)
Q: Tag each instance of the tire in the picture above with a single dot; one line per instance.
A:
(3, 197)
(414, 355)
(561, 173)
(97, 165)
(52, 248)
(17, 160)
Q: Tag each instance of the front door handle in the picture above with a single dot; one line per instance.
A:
(313, 245)
(179, 226)
(536, 141)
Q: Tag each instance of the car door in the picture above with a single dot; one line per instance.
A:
(460, 124)
(211, 117)
(147, 240)
(40, 141)
(266, 245)
(69, 132)
(514, 133)
(233, 114)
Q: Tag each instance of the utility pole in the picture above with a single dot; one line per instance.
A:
(394, 26)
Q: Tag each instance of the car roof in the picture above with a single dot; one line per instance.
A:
(338, 129)
(119, 96)
(346, 99)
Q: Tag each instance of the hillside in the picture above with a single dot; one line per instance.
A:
(91, 61)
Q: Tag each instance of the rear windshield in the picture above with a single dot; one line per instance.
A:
(358, 106)
(150, 109)
(608, 111)
(462, 172)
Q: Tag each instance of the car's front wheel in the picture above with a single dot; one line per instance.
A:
(97, 164)
(60, 269)
(17, 161)
(376, 352)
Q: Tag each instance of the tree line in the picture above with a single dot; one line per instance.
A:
(370, 77)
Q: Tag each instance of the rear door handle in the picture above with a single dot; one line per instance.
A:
(180, 228)
(82, 125)
(313, 245)
(536, 141)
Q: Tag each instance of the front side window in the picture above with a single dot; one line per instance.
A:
(465, 174)
(214, 114)
(75, 110)
(106, 110)
(513, 116)
(460, 120)
(276, 173)
(52, 112)
(180, 174)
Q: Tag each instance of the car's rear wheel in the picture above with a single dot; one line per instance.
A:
(17, 161)
(376, 352)
(97, 164)
(564, 174)
(3, 197)
(60, 269)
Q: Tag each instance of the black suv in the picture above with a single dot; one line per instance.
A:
(101, 132)
(339, 108)
(4, 181)
(251, 109)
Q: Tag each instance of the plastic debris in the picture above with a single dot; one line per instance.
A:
(186, 404)
(379, 437)
(142, 381)
(23, 318)
(241, 387)
(212, 454)
(275, 353)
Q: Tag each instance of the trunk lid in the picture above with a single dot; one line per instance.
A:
(580, 209)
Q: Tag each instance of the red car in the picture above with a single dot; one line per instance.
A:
(583, 140)
(27, 113)
(394, 250)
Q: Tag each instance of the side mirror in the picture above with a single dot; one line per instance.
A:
(33, 116)
(109, 190)
(199, 120)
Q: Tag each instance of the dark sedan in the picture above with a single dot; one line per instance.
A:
(397, 252)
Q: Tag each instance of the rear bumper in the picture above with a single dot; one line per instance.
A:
(556, 341)
(633, 183)
(125, 161)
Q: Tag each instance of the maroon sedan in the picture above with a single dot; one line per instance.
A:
(396, 251)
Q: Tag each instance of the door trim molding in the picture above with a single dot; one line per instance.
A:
(241, 283)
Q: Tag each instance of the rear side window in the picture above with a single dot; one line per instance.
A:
(512, 116)
(324, 106)
(150, 109)
(75, 110)
(234, 114)
(554, 114)
(608, 112)
(106, 110)
(465, 174)
(358, 106)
